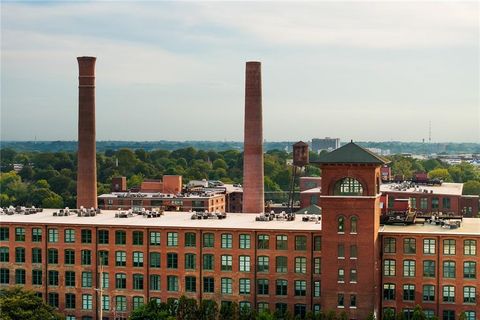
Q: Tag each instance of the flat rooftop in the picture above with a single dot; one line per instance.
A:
(168, 220)
(447, 188)
(469, 226)
(159, 195)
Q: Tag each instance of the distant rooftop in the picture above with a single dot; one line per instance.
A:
(351, 153)
(447, 188)
(159, 195)
(469, 226)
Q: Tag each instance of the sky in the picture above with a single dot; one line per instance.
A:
(367, 71)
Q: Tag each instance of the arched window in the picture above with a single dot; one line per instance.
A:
(348, 186)
(353, 224)
(341, 224)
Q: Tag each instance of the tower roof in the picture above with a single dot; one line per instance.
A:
(351, 153)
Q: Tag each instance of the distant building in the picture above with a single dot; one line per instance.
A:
(325, 144)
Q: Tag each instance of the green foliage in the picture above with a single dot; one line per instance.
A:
(19, 304)
(472, 188)
(440, 173)
(418, 313)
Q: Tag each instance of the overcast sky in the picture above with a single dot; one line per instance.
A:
(175, 70)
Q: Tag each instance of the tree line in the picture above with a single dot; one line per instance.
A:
(48, 179)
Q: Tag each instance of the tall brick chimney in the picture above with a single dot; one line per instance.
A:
(253, 195)
(87, 167)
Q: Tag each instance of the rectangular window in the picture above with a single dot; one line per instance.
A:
(86, 236)
(172, 260)
(4, 276)
(190, 239)
(226, 263)
(103, 258)
(263, 241)
(300, 288)
(155, 282)
(263, 264)
(245, 241)
(70, 278)
(86, 279)
(353, 301)
(389, 267)
(435, 202)
(409, 268)
(317, 243)
(317, 289)
(120, 237)
(20, 255)
(86, 257)
(4, 234)
(53, 299)
(154, 238)
(69, 256)
(262, 286)
(469, 295)
(19, 234)
(19, 276)
(52, 277)
(429, 246)
(36, 235)
(409, 246)
(300, 265)
(341, 275)
(226, 286)
(138, 282)
(428, 293)
(448, 293)
(208, 262)
(190, 284)
(446, 203)
(423, 203)
(105, 280)
(190, 261)
(317, 265)
(208, 240)
(69, 235)
(120, 258)
(390, 245)
(172, 239)
(227, 239)
(341, 300)
(281, 264)
(448, 315)
(52, 256)
(137, 259)
(208, 284)
(37, 277)
(300, 243)
(469, 270)
(353, 275)
(105, 303)
(102, 237)
(341, 251)
(70, 301)
(429, 268)
(137, 302)
(448, 247)
(4, 254)
(244, 286)
(281, 287)
(408, 292)
(244, 263)
(389, 291)
(413, 202)
(87, 302)
(137, 238)
(121, 303)
(154, 260)
(36, 255)
(470, 247)
(282, 242)
(449, 269)
(353, 251)
(120, 281)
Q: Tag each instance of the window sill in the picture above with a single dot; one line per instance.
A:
(353, 307)
(340, 281)
(341, 258)
(341, 307)
(353, 258)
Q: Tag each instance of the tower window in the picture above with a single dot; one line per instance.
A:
(348, 187)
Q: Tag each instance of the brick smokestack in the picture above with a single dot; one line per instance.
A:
(87, 167)
(253, 195)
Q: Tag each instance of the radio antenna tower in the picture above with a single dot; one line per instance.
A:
(430, 131)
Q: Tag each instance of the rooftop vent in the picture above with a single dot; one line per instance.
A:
(11, 210)
(84, 212)
(142, 212)
(275, 216)
(208, 215)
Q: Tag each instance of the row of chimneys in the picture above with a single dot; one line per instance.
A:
(253, 189)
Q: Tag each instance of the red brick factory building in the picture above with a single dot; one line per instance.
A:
(92, 264)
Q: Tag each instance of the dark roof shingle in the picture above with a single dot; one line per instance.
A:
(351, 153)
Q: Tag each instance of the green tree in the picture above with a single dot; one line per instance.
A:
(19, 304)
(471, 188)
(440, 173)
(208, 310)
(52, 201)
(418, 313)
(220, 164)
